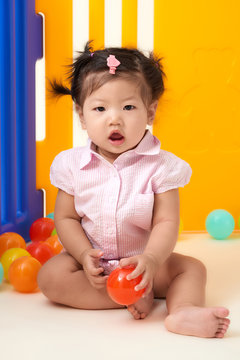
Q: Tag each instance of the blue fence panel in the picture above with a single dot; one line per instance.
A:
(20, 47)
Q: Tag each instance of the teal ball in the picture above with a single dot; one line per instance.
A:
(51, 215)
(220, 224)
(1, 273)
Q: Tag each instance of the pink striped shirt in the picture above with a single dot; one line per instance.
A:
(115, 201)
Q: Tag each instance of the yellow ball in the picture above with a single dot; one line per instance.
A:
(180, 226)
(9, 256)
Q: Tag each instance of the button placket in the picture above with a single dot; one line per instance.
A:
(110, 208)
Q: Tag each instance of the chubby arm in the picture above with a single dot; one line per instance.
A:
(161, 242)
(165, 226)
(75, 241)
(68, 226)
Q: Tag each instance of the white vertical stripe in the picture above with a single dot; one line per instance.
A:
(113, 23)
(145, 28)
(40, 108)
(80, 37)
(145, 25)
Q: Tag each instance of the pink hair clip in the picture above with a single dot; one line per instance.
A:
(113, 63)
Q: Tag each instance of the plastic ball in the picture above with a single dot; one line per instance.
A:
(122, 290)
(9, 256)
(180, 226)
(23, 274)
(50, 215)
(1, 273)
(41, 229)
(54, 232)
(10, 240)
(40, 251)
(54, 243)
(220, 224)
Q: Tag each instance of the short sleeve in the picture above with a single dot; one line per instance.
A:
(172, 173)
(60, 172)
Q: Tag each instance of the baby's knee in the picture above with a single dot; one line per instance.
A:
(197, 267)
(47, 280)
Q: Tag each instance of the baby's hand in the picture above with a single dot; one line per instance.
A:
(145, 265)
(90, 263)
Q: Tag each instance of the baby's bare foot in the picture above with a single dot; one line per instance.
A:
(142, 307)
(198, 321)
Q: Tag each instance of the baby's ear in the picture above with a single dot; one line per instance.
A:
(152, 111)
(80, 114)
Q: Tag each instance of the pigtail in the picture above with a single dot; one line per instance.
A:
(88, 49)
(58, 89)
(157, 62)
(157, 74)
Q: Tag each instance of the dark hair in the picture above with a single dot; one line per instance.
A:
(90, 71)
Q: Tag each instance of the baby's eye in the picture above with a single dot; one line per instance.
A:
(129, 107)
(100, 108)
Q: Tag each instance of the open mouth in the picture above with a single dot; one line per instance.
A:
(116, 138)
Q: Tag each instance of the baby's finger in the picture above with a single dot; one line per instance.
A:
(96, 253)
(125, 262)
(143, 283)
(100, 280)
(96, 271)
(148, 290)
(136, 272)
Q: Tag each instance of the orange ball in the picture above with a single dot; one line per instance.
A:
(10, 240)
(23, 274)
(54, 243)
(122, 290)
(10, 256)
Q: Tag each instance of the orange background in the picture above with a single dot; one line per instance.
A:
(198, 116)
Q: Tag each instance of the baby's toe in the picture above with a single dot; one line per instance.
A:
(131, 308)
(143, 315)
(225, 321)
(221, 312)
(224, 324)
(136, 314)
(221, 331)
(219, 335)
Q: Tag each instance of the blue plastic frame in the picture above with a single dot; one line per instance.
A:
(20, 47)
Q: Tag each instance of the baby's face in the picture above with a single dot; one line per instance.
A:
(116, 117)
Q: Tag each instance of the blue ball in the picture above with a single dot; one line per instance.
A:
(50, 215)
(220, 224)
(1, 273)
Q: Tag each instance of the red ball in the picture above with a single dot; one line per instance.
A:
(122, 290)
(40, 251)
(41, 229)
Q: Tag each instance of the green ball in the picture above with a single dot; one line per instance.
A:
(54, 232)
(220, 224)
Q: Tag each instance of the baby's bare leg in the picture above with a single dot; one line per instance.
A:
(63, 281)
(185, 300)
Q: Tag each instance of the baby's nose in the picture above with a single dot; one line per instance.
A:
(115, 118)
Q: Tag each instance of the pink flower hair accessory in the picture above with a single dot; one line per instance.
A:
(112, 63)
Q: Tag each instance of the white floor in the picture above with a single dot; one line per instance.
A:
(32, 328)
